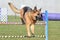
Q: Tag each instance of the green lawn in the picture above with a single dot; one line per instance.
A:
(15, 30)
(13, 19)
(54, 30)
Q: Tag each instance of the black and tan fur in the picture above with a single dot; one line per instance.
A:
(29, 16)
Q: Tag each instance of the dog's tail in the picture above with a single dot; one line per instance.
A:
(14, 8)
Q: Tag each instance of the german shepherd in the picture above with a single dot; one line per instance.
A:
(29, 16)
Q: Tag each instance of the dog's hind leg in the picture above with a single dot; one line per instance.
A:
(22, 21)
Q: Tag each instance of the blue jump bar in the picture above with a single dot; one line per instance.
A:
(46, 26)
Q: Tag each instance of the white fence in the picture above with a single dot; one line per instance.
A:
(3, 15)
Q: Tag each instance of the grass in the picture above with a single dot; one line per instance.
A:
(13, 19)
(19, 30)
(9, 30)
(54, 30)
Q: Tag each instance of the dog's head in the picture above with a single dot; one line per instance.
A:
(36, 13)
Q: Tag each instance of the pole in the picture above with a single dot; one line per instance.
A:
(46, 26)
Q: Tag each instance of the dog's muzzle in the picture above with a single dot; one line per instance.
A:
(39, 17)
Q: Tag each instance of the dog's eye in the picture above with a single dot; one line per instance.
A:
(37, 14)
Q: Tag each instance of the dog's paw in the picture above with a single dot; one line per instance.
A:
(33, 36)
(28, 36)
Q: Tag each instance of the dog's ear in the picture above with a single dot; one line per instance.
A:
(35, 8)
(9, 3)
(40, 9)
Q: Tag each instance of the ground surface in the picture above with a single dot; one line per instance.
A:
(17, 30)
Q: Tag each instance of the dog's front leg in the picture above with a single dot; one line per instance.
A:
(28, 30)
(32, 29)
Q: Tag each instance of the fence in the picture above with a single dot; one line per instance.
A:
(3, 15)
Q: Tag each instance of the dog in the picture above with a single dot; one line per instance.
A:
(29, 16)
(30, 19)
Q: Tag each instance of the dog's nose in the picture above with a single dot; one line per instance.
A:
(36, 17)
